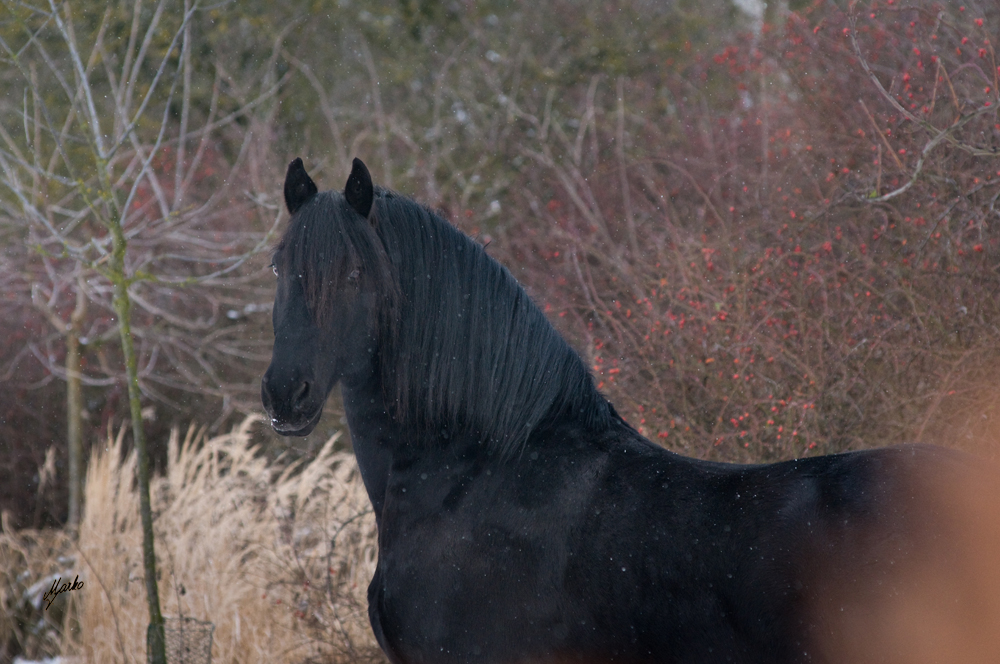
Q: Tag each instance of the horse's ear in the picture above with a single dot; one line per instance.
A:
(299, 187)
(359, 190)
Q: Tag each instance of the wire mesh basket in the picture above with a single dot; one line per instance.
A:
(188, 640)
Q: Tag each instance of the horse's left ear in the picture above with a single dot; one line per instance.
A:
(359, 190)
(299, 187)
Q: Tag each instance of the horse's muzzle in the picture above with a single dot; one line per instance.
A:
(291, 405)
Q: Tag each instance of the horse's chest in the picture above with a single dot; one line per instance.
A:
(462, 545)
(460, 523)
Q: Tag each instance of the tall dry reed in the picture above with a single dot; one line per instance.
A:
(277, 556)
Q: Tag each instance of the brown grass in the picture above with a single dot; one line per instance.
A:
(277, 556)
(30, 560)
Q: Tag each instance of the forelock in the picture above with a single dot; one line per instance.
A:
(325, 241)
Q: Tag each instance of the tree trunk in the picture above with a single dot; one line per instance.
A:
(74, 408)
(122, 302)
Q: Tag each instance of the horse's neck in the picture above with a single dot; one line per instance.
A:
(374, 435)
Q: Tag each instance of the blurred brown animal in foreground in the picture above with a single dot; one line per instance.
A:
(933, 596)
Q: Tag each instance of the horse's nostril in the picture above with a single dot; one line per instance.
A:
(301, 393)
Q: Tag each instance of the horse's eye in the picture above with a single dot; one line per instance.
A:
(353, 276)
(274, 268)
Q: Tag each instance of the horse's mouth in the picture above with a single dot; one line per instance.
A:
(299, 428)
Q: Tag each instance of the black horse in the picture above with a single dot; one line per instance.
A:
(520, 518)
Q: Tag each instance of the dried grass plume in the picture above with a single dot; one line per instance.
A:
(277, 556)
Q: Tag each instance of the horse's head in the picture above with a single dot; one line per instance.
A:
(332, 280)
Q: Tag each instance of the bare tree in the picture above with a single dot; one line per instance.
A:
(120, 167)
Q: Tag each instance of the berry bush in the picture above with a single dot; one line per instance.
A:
(788, 247)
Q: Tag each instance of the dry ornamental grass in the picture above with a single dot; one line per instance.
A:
(278, 557)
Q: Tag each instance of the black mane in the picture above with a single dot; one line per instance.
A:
(463, 347)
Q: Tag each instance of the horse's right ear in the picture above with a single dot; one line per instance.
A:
(359, 190)
(299, 187)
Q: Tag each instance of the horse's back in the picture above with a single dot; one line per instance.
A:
(886, 555)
